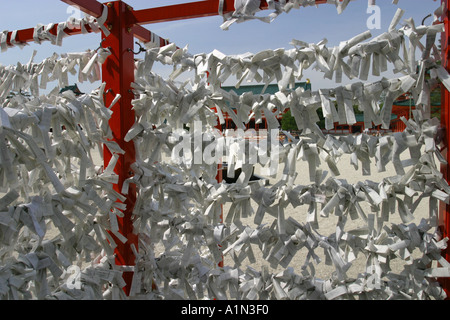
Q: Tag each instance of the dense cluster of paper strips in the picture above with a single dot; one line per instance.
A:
(58, 206)
(247, 9)
(44, 32)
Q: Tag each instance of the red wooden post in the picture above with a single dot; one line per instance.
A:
(444, 214)
(118, 73)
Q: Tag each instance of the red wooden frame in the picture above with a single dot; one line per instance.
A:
(444, 212)
(118, 73)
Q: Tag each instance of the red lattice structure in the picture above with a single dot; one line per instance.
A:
(445, 122)
(126, 24)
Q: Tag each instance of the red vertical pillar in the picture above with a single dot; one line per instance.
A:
(118, 73)
(444, 212)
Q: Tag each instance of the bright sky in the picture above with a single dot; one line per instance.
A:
(203, 35)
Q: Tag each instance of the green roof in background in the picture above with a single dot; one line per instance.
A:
(406, 103)
(360, 117)
(271, 88)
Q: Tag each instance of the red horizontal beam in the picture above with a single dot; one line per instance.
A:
(91, 7)
(145, 35)
(26, 35)
(23, 36)
(191, 10)
(182, 11)
(95, 9)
